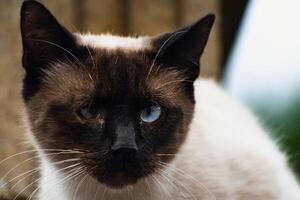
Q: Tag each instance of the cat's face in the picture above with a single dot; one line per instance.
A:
(120, 111)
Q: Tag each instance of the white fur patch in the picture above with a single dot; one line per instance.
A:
(114, 42)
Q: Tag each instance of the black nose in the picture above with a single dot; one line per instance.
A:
(124, 152)
(124, 139)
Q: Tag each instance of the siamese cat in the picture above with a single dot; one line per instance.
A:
(119, 118)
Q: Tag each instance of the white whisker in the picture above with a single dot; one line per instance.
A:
(25, 161)
(72, 174)
(34, 151)
(59, 46)
(184, 174)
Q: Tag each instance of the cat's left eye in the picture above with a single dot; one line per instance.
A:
(87, 112)
(151, 113)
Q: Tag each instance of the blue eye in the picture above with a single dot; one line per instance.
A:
(151, 113)
(87, 112)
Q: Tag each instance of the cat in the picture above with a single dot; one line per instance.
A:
(126, 118)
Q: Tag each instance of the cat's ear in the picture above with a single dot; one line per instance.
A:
(183, 48)
(44, 39)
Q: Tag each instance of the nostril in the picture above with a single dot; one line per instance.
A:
(124, 151)
(128, 146)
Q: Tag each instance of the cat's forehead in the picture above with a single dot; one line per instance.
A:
(116, 67)
(112, 42)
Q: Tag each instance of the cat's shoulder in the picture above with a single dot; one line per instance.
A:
(226, 127)
(214, 103)
(227, 139)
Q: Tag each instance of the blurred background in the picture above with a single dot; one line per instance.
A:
(254, 52)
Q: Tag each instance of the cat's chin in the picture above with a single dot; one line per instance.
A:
(118, 180)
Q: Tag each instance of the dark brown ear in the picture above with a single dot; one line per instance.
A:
(44, 41)
(183, 48)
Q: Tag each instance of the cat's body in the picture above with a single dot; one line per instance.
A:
(226, 156)
(118, 118)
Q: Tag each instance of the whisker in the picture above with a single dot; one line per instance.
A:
(175, 186)
(160, 185)
(56, 45)
(26, 174)
(25, 161)
(92, 58)
(73, 173)
(184, 174)
(34, 151)
(24, 189)
(149, 188)
(170, 82)
(80, 182)
(36, 170)
(29, 185)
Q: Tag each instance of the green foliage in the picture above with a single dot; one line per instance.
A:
(284, 125)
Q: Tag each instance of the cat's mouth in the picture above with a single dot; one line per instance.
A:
(119, 173)
(118, 179)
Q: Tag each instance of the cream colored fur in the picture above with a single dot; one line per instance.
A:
(111, 42)
(227, 156)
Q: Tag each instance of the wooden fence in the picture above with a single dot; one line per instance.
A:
(139, 17)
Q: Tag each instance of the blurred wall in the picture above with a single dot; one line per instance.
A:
(264, 70)
(117, 16)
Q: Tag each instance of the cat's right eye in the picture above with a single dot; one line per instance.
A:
(87, 112)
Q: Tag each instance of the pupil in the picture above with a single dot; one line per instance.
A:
(148, 110)
(92, 111)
